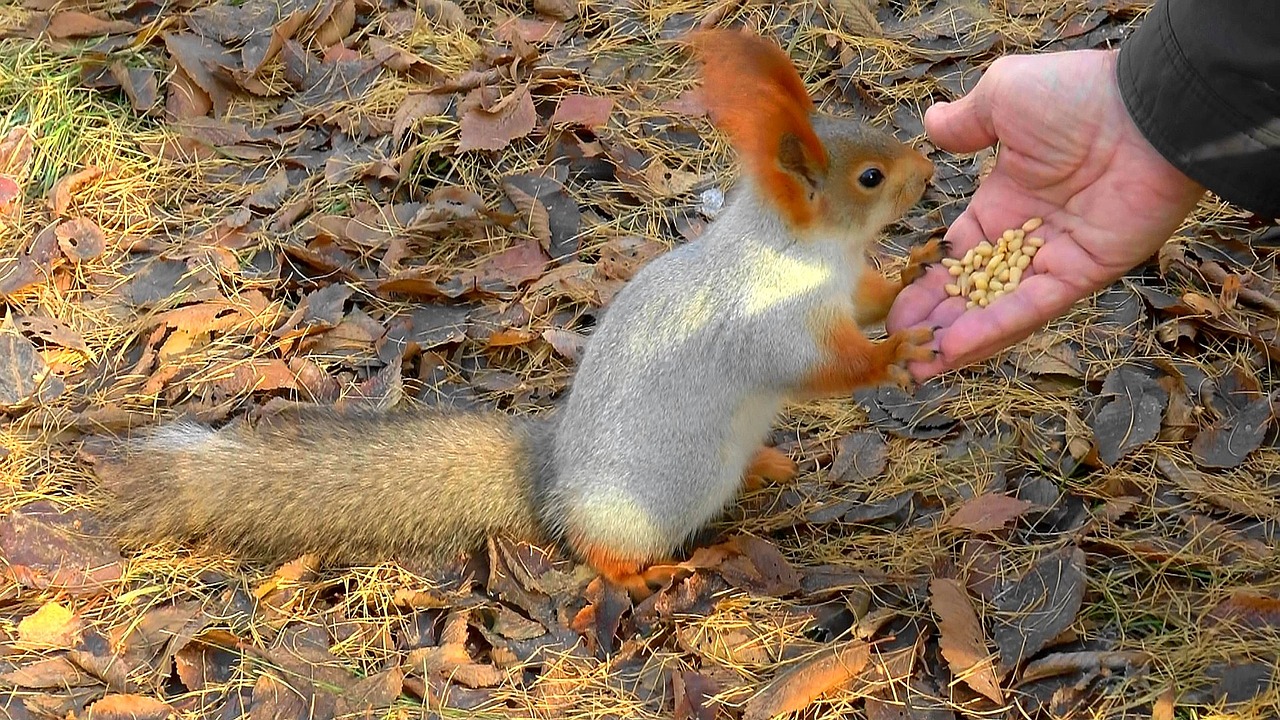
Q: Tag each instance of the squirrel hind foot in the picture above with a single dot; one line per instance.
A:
(634, 576)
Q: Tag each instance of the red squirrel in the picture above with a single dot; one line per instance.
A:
(676, 391)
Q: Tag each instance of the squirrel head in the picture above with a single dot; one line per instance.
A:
(821, 173)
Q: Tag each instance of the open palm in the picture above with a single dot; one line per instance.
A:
(1068, 153)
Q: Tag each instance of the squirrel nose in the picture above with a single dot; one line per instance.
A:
(925, 167)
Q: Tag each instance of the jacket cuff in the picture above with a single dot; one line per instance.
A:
(1172, 101)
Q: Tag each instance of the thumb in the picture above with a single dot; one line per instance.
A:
(963, 126)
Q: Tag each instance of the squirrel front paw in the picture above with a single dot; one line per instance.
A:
(921, 257)
(908, 346)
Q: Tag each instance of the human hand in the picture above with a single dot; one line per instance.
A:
(1070, 154)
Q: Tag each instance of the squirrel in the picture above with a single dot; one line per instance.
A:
(667, 414)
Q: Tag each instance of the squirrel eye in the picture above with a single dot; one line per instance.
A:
(871, 177)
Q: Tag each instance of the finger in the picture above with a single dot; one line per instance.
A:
(920, 299)
(963, 126)
(979, 334)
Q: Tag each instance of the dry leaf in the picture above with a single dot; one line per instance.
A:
(1032, 611)
(857, 17)
(987, 513)
(73, 24)
(129, 707)
(1130, 416)
(60, 195)
(493, 129)
(24, 375)
(1245, 610)
(585, 110)
(694, 693)
(801, 686)
(962, 641)
(80, 239)
(52, 626)
(558, 9)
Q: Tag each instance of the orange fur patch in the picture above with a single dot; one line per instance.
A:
(755, 96)
(626, 572)
(772, 464)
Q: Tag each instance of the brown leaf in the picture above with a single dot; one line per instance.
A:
(963, 644)
(140, 84)
(236, 377)
(511, 268)
(1086, 662)
(414, 107)
(694, 693)
(53, 672)
(1245, 610)
(586, 110)
(52, 626)
(184, 99)
(532, 212)
(369, 696)
(1228, 442)
(199, 58)
(16, 150)
(802, 685)
(203, 663)
(860, 456)
(857, 17)
(558, 9)
(60, 195)
(987, 513)
(73, 24)
(338, 25)
(80, 239)
(9, 191)
(566, 342)
(1032, 611)
(598, 621)
(24, 375)
(129, 707)
(493, 129)
(1131, 414)
(759, 566)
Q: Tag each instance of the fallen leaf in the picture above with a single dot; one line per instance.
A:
(52, 626)
(371, 695)
(9, 191)
(1245, 610)
(74, 24)
(694, 693)
(1131, 414)
(63, 191)
(1238, 683)
(799, 687)
(493, 129)
(962, 641)
(562, 218)
(129, 707)
(566, 342)
(1033, 610)
(80, 239)
(1088, 663)
(861, 456)
(53, 672)
(558, 9)
(1228, 442)
(587, 111)
(759, 566)
(857, 17)
(986, 513)
(24, 375)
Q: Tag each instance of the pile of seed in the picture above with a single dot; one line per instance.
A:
(988, 271)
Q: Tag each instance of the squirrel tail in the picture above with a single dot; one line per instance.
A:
(349, 488)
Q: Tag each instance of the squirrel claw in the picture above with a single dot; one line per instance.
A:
(923, 256)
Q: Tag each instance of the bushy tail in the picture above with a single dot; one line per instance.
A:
(351, 489)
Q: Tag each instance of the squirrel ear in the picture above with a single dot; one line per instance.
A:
(755, 96)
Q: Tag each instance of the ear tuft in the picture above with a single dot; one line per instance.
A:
(755, 96)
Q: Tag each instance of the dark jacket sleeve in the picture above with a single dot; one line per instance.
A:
(1201, 79)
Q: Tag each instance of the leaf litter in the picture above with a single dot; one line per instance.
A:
(233, 208)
